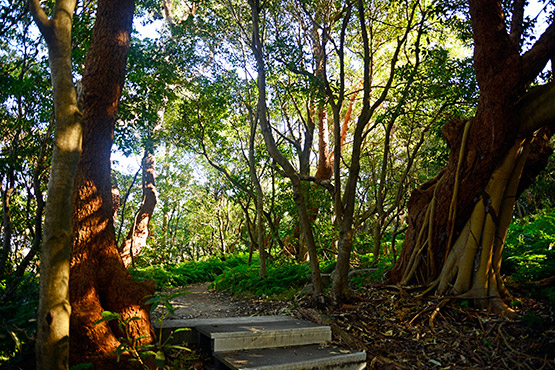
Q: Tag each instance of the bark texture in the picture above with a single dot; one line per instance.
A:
(138, 234)
(458, 220)
(54, 306)
(98, 278)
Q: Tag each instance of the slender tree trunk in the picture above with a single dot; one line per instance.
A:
(259, 202)
(6, 222)
(39, 212)
(54, 307)
(138, 234)
(98, 279)
(274, 152)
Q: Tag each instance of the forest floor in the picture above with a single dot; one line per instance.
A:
(400, 332)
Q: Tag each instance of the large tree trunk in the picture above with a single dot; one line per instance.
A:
(458, 220)
(138, 234)
(98, 278)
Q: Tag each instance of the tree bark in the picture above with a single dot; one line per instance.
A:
(54, 307)
(138, 234)
(457, 221)
(98, 278)
(345, 203)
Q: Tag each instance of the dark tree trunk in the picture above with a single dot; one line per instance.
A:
(458, 220)
(98, 278)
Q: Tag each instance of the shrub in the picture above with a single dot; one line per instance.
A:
(17, 320)
(529, 253)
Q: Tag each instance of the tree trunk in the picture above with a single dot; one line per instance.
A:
(54, 307)
(98, 278)
(138, 235)
(37, 235)
(458, 220)
(6, 223)
(259, 202)
(275, 153)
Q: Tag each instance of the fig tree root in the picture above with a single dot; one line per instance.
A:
(472, 266)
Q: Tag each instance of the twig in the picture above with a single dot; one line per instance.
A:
(436, 311)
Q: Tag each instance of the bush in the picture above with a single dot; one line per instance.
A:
(189, 272)
(529, 253)
(18, 321)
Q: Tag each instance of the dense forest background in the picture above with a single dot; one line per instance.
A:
(264, 145)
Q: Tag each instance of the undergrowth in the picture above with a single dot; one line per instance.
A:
(18, 322)
(188, 272)
(282, 280)
(529, 254)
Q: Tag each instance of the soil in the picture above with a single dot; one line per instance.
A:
(399, 331)
(198, 302)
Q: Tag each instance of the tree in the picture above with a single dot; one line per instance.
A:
(458, 220)
(138, 233)
(98, 278)
(277, 155)
(54, 307)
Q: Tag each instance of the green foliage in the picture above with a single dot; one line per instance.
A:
(187, 272)
(282, 281)
(17, 320)
(529, 253)
(132, 346)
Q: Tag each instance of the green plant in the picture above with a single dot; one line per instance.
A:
(188, 272)
(529, 253)
(282, 281)
(18, 320)
(141, 352)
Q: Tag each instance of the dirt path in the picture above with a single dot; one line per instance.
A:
(199, 302)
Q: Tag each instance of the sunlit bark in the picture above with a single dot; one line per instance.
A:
(98, 278)
(54, 307)
(138, 234)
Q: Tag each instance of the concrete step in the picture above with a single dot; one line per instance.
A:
(191, 336)
(296, 358)
(233, 337)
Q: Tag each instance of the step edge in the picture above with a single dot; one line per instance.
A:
(357, 357)
(239, 334)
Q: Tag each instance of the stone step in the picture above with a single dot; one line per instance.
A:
(295, 358)
(191, 336)
(233, 337)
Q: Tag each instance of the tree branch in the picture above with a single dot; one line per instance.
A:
(41, 19)
(516, 21)
(535, 59)
(536, 109)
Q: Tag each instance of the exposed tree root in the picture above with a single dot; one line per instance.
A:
(471, 269)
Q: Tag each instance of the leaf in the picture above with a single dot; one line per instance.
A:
(160, 358)
(435, 362)
(169, 307)
(181, 329)
(180, 347)
(108, 316)
(154, 300)
(147, 354)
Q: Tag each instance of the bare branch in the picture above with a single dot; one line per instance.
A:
(535, 59)
(41, 19)
(517, 21)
